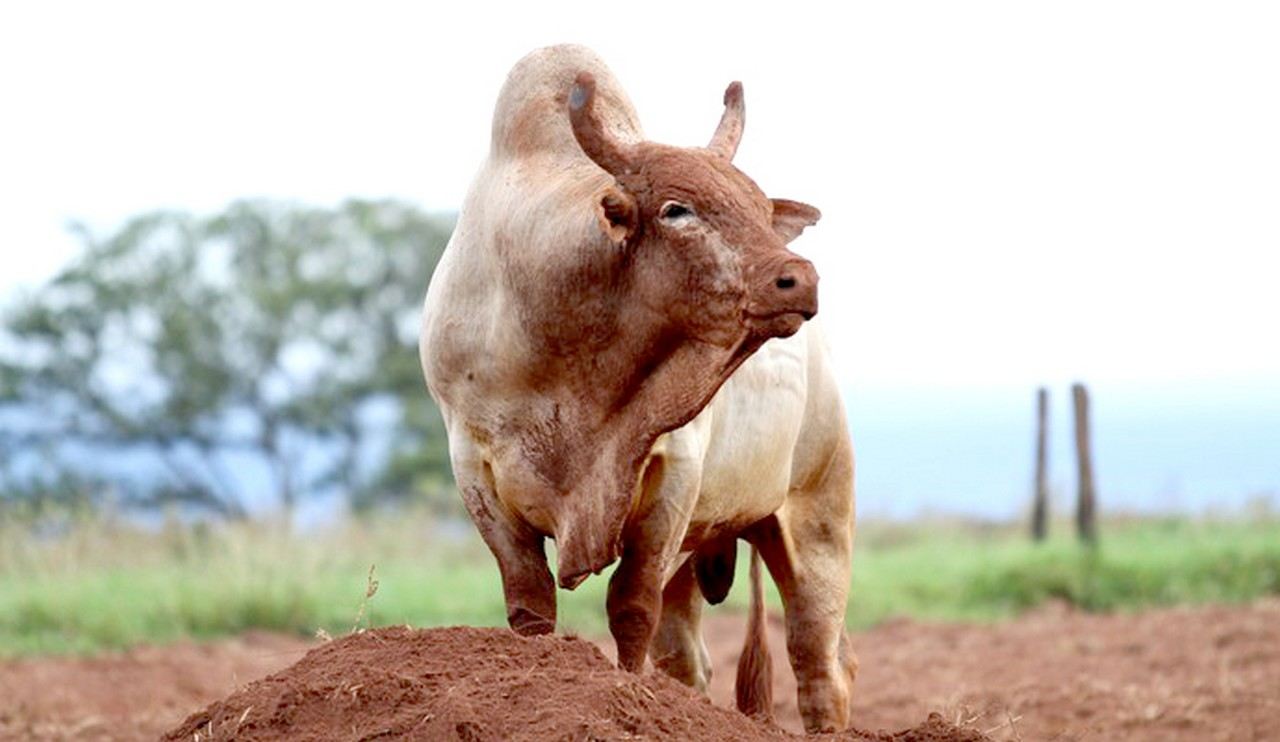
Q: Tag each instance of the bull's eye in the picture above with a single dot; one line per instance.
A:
(672, 211)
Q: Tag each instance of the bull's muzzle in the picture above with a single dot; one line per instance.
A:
(784, 296)
(795, 289)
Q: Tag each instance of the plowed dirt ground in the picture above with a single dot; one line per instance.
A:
(1203, 673)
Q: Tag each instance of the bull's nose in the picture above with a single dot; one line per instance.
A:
(795, 288)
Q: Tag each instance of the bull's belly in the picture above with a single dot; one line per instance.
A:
(754, 427)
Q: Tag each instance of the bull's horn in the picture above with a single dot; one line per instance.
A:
(729, 132)
(590, 131)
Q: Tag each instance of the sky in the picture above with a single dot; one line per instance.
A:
(1013, 193)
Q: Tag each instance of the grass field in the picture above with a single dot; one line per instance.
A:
(92, 585)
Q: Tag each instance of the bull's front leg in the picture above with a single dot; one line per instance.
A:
(527, 584)
(652, 542)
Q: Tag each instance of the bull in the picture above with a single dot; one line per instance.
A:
(617, 335)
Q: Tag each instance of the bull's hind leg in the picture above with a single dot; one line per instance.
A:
(810, 564)
(677, 648)
(808, 547)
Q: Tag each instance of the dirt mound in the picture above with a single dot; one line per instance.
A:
(481, 684)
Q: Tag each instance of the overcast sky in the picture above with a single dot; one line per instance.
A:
(1014, 193)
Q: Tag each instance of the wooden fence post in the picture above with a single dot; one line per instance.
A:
(1086, 506)
(1040, 505)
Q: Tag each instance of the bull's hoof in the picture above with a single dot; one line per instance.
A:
(527, 623)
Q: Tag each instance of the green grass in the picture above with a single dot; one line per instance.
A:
(108, 586)
(96, 585)
(950, 575)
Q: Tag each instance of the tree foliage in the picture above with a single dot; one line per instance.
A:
(191, 359)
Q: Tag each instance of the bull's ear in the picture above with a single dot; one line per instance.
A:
(619, 216)
(791, 217)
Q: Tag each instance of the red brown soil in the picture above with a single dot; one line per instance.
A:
(1177, 674)
(131, 695)
(472, 684)
(1208, 673)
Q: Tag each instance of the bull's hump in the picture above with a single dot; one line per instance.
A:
(531, 114)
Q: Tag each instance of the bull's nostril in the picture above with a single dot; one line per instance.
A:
(786, 282)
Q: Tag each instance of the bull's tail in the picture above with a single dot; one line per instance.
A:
(754, 686)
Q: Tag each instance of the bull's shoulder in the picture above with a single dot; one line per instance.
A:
(531, 114)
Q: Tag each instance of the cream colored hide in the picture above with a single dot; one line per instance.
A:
(767, 460)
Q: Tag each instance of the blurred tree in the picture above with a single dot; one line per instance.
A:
(178, 353)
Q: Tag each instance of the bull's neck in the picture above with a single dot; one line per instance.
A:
(639, 373)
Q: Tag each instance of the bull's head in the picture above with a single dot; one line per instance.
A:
(697, 276)
(712, 245)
